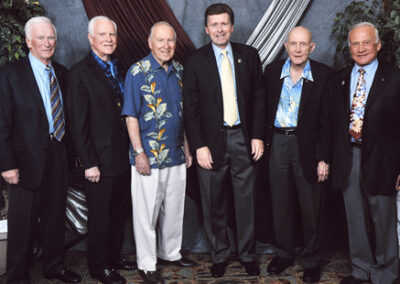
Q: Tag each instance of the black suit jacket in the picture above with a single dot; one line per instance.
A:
(98, 132)
(202, 98)
(380, 150)
(312, 148)
(24, 129)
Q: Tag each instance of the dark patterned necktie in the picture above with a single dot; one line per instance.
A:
(358, 107)
(56, 107)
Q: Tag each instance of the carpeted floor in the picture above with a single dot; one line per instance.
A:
(335, 267)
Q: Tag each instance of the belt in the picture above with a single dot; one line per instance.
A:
(237, 126)
(356, 144)
(288, 131)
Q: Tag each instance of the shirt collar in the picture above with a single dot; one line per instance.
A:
(103, 64)
(155, 65)
(217, 50)
(37, 65)
(307, 74)
(369, 69)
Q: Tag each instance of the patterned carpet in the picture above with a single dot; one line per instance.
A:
(335, 267)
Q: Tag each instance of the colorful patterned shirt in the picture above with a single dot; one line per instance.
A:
(289, 103)
(154, 97)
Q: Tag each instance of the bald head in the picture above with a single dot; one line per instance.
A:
(299, 46)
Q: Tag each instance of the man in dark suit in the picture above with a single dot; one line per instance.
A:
(295, 99)
(224, 122)
(364, 108)
(100, 139)
(33, 158)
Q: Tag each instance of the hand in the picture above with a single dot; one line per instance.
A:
(257, 148)
(188, 159)
(93, 174)
(204, 158)
(11, 176)
(142, 164)
(397, 186)
(322, 171)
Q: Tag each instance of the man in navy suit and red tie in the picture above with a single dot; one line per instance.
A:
(33, 159)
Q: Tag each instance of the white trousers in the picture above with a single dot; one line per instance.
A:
(158, 203)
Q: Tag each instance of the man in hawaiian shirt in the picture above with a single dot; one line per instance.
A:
(158, 153)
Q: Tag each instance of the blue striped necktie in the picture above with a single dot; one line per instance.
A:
(56, 107)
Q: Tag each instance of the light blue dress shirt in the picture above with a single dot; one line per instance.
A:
(43, 83)
(219, 56)
(369, 75)
(289, 103)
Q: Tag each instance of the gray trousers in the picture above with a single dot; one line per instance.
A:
(367, 215)
(237, 165)
(286, 178)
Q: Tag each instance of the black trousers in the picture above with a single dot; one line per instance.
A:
(214, 200)
(46, 202)
(286, 177)
(109, 203)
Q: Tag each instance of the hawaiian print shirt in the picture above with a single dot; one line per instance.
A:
(289, 103)
(154, 97)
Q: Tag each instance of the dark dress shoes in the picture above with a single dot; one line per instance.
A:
(279, 264)
(183, 262)
(109, 276)
(312, 274)
(65, 276)
(124, 264)
(251, 268)
(151, 277)
(218, 269)
(351, 280)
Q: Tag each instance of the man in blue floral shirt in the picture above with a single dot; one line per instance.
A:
(158, 153)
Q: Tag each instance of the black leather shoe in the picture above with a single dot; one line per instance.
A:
(109, 276)
(183, 262)
(251, 268)
(218, 269)
(124, 264)
(65, 276)
(312, 274)
(351, 280)
(151, 277)
(279, 264)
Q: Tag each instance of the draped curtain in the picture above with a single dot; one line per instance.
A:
(134, 19)
(271, 32)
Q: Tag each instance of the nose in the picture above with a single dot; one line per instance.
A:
(361, 47)
(108, 37)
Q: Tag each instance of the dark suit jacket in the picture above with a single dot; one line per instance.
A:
(24, 129)
(202, 98)
(312, 102)
(98, 132)
(380, 151)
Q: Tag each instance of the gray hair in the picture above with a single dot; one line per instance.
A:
(97, 18)
(37, 20)
(161, 23)
(364, 24)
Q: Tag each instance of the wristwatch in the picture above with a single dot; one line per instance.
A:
(137, 151)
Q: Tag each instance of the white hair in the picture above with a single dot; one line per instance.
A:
(364, 24)
(97, 18)
(37, 20)
(161, 23)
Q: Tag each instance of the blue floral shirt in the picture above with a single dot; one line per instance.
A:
(289, 103)
(154, 97)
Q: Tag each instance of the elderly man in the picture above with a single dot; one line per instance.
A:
(296, 98)
(33, 159)
(153, 110)
(365, 103)
(100, 138)
(224, 122)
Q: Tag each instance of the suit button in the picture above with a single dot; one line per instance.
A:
(119, 104)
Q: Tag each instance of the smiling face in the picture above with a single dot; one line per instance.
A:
(162, 43)
(219, 28)
(42, 42)
(363, 46)
(104, 40)
(299, 46)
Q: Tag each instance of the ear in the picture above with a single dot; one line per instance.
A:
(313, 45)
(286, 44)
(207, 31)
(28, 43)
(91, 39)
(379, 46)
(149, 43)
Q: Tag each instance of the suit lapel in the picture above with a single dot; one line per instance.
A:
(345, 87)
(213, 74)
(377, 86)
(305, 94)
(98, 73)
